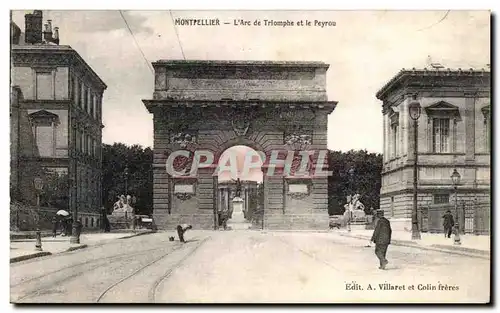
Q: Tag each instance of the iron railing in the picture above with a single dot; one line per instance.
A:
(472, 217)
(24, 217)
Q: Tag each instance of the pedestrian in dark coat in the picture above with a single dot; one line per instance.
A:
(448, 223)
(107, 226)
(54, 227)
(181, 229)
(382, 238)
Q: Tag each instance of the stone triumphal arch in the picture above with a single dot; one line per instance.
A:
(272, 107)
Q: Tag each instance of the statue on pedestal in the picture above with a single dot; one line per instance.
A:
(238, 188)
(354, 209)
(123, 213)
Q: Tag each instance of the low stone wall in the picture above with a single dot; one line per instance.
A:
(296, 221)
(400, 224)
(165, 221)
(275, 221)
(24, 218)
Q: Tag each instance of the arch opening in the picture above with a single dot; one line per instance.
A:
(239, 181)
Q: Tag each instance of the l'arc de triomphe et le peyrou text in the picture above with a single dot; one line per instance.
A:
(275, 108)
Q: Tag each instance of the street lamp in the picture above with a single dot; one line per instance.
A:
(38, 182)
(415, 110)
(351, 191)
(455, 178)
(126, 180)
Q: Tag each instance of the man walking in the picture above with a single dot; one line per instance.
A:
(382, 238)
(54, 227)
(448, 223)
(181, 229)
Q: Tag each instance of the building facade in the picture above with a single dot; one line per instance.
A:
(215, 105)
(453, 132)
(56, 123)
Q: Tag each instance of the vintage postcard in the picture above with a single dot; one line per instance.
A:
(250, 156)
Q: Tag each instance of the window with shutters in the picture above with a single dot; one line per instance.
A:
(394, 120)
(486, 128)
(76, 93)
(441, 135)
(83, 142)
(83, 97)
(89, 145)
(443, 119)
(44, 85)
(44, 125)
(94, 106)
(394, 140)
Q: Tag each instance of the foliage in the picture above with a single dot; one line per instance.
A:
(138, 182)
(366, 178)
(55, 189)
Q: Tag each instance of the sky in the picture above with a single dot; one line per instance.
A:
(364, 50)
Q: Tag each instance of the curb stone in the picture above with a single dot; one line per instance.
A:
(45, 234)
(29, 256)
(73, 248)
(137, 234)
(404, 243)
(78, 247)
(464, 249)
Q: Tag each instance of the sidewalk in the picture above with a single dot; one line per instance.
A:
(471, 245)
(30, 234)
(24, 249)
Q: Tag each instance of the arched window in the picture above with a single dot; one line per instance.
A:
(86, 222)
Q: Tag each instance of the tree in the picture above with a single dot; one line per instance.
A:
(366, 178)
(138, 181)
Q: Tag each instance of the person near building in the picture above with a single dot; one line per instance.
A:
(382, 238)
(448, 223)
(54, 227)
(181, 230)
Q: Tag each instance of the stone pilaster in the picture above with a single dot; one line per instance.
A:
(386, 138)
(404, 127)
(469, 126)
(411, 140)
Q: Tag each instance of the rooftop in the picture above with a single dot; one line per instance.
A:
(242, 63)
(406, 73)
(50, 48)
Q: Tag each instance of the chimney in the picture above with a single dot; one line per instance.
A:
(47, 33)
(56, 35)
(33, 27)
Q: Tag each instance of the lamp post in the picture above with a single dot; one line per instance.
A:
(38, 182)
(455, 178)
(415, 109)
(126, 180)
(351, 191)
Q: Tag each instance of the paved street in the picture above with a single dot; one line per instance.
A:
(247, 266)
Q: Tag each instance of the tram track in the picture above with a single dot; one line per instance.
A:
(82, 267)
(100, 260)
(88, 250)
(153, 289)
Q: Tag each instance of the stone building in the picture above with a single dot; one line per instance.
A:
(215, 105)
(56, 122)
(453, 133)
